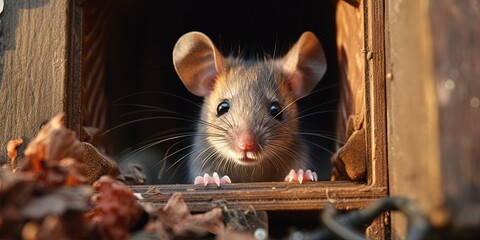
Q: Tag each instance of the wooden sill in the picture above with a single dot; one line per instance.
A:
(268, 196)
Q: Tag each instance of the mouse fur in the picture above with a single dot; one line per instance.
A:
(248, 127)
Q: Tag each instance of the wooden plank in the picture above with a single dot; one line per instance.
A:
(73, 80)
(413, 150)
(375, 91)
(456, 60)
(351, 60)
(266, 196)
(434, 92)
(33, 66)
(361, 53)
(98, 18)
(361, 47)
(351, 160)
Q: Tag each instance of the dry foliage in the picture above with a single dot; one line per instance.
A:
(49, 197)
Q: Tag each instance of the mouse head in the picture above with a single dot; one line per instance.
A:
(249, 116)
(198, 63)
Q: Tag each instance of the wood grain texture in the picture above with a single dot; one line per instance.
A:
(97, 24)
(375, 111)
(266, 196)
(350, 161)
(351, 60)
(413, 149)
(375, 91)
(73, 79)
(33, 65)
(434, 110)
(361, 53)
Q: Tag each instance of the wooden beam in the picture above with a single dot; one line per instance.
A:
(33, 66)
(413, 147)
(266, 196)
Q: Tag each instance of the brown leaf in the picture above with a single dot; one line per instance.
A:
(15, 192)
(24, 200)
(116, 209)
(59, 202)
(45, 198)
(176, 215)
(12, 152)
(55, 155)
(53, 143)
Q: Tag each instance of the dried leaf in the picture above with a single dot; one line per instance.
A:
(177, 217)
(53, 143)
(12, 152)
(46, 198)
(16, 191)
(59, 202)
(116, 210)
(55, 155)
(52, 227)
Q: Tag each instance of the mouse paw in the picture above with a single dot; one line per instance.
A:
(214, 179)
(301, 176)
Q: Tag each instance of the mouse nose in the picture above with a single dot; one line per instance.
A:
(246, 140)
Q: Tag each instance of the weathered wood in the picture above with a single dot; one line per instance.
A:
(351, 60)
(413, 149)
(351, 160)
(266, 196)
(376, 113)
(98, 22)
(361, 53)
(73, 79)
(434, 110)
(456, 59)
(376, 110)
(361, 47)
(33, 65)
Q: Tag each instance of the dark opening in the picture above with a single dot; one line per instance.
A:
(140, 72)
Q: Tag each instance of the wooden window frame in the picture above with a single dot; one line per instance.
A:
(280, 196)
(345, 195)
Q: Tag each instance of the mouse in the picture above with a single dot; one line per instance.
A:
(248, 128)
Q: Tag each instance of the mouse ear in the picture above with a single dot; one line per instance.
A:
(197, 62)
(305, 64)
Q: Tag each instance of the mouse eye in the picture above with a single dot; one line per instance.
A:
(223, 108)
(275, 111)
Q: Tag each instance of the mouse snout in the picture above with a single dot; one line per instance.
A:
(246, 140)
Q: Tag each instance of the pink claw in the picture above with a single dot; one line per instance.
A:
(290, 176)
(225, 179)
(214, 179)
(198, 180)
(301, 176)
